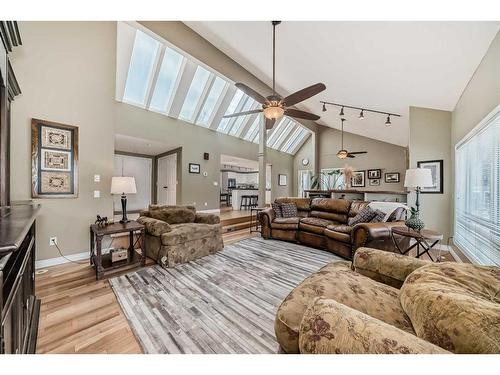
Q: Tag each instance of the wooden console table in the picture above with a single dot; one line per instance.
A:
(102, 262)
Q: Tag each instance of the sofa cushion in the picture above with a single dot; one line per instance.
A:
(277, 209)
(337, 281)
(285, 223)
(340, 233)
(364, 216)
(379, 217)
(173, 214)
(331, 209)
(289, 210)
(455, 306)
(181, 233)
(303, 204)
(314, 224)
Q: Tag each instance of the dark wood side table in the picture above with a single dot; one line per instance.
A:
(255, 225)
(426, 239)
(102, 262)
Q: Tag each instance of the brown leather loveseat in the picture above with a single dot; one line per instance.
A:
(323, 223)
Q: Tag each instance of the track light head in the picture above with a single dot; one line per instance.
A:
(341, 111)
(362, 115)
(388, 121)
(324, 107)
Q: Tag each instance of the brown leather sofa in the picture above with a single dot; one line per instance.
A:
(322, 223)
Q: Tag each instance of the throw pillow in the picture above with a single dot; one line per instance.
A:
(379, 217)
(289, 210)
(364, 216)
(277, 209)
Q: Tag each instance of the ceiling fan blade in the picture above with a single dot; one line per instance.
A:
(301, 114)
(349, 155)
(251, 93)
(243, 113)
(358, 152)
(304, 94)
(270, 123)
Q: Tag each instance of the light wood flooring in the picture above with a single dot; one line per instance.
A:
(81, 315)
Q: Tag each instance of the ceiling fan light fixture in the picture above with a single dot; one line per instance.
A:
(388, 121)
(342, 154)
(273, 112)
(362, 115)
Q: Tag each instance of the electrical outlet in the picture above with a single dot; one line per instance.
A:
(97, 194)
(206, 204)
(97, 178)
(52, 241)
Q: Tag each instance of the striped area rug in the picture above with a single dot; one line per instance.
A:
(222, 303)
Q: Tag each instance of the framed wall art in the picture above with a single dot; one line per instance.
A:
(436, 167)
(54, 160)
(374, 174)
(194, 168)
(374, 182)
(391, 177)
(358, 179)
(282, 180)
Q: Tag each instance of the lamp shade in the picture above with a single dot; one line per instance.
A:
(418, 177)
(123, 185)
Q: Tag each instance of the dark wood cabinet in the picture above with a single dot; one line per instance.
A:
(19, 307)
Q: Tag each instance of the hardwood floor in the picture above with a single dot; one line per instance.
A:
(81, 315)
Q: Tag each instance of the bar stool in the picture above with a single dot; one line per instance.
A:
(245, 202)
(254, 200)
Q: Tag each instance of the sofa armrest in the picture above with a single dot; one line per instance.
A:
(205, 218)
(363, 233)
(329, 327)
(384, 266)
(266, 217)
(154, 227)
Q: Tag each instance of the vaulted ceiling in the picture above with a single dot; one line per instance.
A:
(388, 66)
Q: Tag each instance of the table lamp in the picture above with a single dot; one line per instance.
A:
(122, 186)
(417, 178)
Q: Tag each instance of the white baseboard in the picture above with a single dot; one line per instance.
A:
(44, 263)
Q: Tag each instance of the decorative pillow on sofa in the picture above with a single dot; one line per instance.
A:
(379, 217)
(277, 209)
(364, 216)
(289, 210)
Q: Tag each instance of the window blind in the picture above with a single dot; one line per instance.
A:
(477, 193)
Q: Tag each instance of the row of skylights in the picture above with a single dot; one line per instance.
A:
(162, 79)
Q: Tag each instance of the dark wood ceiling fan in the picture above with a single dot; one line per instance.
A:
(275, 106)
(343, 153)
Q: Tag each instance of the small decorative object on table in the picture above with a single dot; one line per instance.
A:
(101, 221)
(118, 254)
(417, 178)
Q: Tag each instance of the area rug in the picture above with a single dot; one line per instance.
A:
(222, 303)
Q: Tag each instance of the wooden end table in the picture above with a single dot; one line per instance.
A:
(425, 239)
(255, 225)
(102, 262)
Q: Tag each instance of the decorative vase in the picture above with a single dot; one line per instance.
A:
(414, 221)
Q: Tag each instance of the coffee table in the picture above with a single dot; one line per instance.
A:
(426, 239)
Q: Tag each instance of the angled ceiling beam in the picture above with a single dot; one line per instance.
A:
(183, 88)
(228, 97)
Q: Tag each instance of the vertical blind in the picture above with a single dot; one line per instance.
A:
(477, 194)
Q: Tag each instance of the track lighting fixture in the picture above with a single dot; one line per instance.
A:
(388, 121)
(362, 111)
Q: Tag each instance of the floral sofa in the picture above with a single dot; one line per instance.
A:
(390, 303)
(178, 234)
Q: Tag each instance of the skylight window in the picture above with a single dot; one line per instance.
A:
(278, 128)
(167, 80)
(282, 135)
(223, 125)
(295, 140)
(140, 68)
(194, 94)
(239, 121)
(253, 130)
(212, 100)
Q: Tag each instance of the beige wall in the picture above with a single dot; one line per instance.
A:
(66, 72)
(430, 132)
(195, 140)
(381, 155)
(305, 152)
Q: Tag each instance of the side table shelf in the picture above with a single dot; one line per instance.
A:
(102, 262)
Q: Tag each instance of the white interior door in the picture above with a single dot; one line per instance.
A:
(167, 180)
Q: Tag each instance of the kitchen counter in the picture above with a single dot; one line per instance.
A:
(15, 222)
(238, 192)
